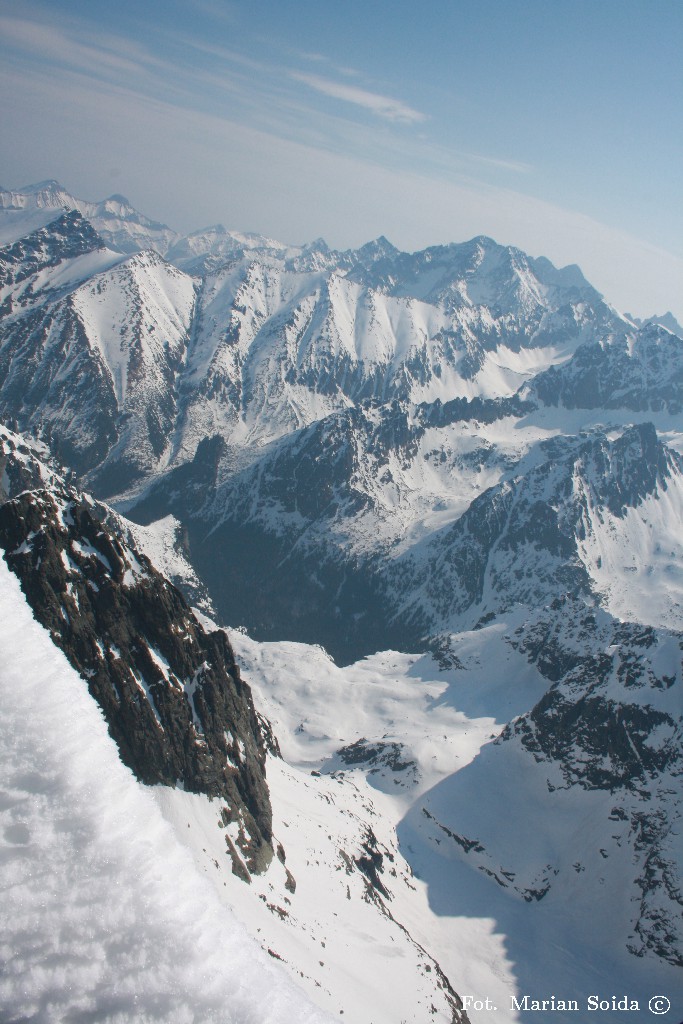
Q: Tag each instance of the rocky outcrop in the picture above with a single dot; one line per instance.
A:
(608, 720)
(66, 237)
(170, 691)
(611, 723)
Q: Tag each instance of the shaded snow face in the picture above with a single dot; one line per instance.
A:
(105, 914)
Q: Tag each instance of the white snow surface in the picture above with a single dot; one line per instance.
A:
(111, 309)
(487, 939)
(346, 952)
(637, 560)
(104, 916)
(55, 282)
(160, 541)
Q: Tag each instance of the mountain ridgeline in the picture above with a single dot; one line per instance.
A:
(316, 419)
(366, 450)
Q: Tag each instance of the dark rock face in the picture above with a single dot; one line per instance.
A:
(467, 410)
(50, 380)
(271, 543)
(612, 722)
(635, 466)
(171, 692)
(290, 580)
(600, 737)
(49, 377)
(64, 238)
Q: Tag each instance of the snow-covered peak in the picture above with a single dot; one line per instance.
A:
(317, 245)
(50, 195)
(666, 320)
(376, 249)
(122, 227)
(118, 199)
(49, 185)
(570, 276)
(478, 274)
(207, 249)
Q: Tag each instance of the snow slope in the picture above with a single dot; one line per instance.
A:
(356, 928)
(402, 745)
(566, 828)
(104, 916)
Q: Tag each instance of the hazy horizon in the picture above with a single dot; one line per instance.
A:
(557, 132)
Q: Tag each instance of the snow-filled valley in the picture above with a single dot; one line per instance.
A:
(407, 737)
(407, 750)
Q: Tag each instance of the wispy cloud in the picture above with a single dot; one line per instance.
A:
(258, 90)
(219, 10)
(320, 58)
(315, 58)
(224, 54)
(382, 106)
(106, 54)
(517, 166)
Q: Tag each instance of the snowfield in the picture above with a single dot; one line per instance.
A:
(105, 918)
(417, 759)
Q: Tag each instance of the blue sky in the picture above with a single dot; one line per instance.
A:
(557, 127)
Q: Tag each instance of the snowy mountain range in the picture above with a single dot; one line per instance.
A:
(461, 466)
